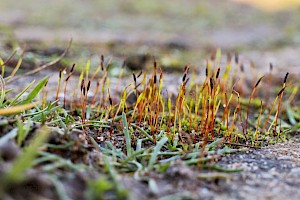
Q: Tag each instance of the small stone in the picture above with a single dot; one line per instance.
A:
(284, 158)
(137, 61)
(205, 193)
(9, 150)
(266, 176)
(295, 172)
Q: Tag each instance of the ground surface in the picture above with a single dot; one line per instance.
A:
(269, 173)
(180, 37)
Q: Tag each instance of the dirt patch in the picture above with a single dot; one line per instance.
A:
(269, 173)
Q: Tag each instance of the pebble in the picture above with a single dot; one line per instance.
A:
(284, 158)
(266, 176)
(295, 172)
(205, 193)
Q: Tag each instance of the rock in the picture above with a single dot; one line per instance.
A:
(9, 151)
(137, 62)
(284, 158)
(295, 172)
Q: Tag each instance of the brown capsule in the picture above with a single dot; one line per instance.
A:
(218, 73)
(109, 98)
(155, 64)
(258, 81)
(139, 74)
(72, 69)
(186, 81)
(281, 91)
(206, 70)
(229, 57)
(83, 91)
(183, 78)
(102, 62)
(236, 58)
(82, 85)
(134, 77)
(154, 79)
(242, 68)
(271, 66)
(123, 64)
(213, 54)
(160, 75)
(137, 85)
(88, 86)
(187, 69)
(211, 80)
(69, 76)
(285, 78)
(60, 74)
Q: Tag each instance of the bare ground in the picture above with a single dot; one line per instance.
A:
(272, 172)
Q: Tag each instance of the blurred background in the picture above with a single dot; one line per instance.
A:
(177, 32)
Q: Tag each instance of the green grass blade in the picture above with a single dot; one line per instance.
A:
(62, 161)
(62, 195)
(121, 192)
(290, 114)
(21, 93)
(212, 145)
(155, 152)
(143, 131)
(127, 134)
(35, 91)
(97, 188)
(2, 90)
(25, 161)
(132, 157)
(23, 130)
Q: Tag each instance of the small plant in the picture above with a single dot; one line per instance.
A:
(198, 125)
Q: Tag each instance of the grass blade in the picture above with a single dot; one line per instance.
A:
(62, 195)
(25, 161)
(2, 90)
(290, 114)
(127, 134)
(156, 152)
(21, 93)
(35, 91)
(17, 109)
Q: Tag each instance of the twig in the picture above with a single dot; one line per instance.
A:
(43, 66)
(9, 58)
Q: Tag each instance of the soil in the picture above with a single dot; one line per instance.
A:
(269, 173)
